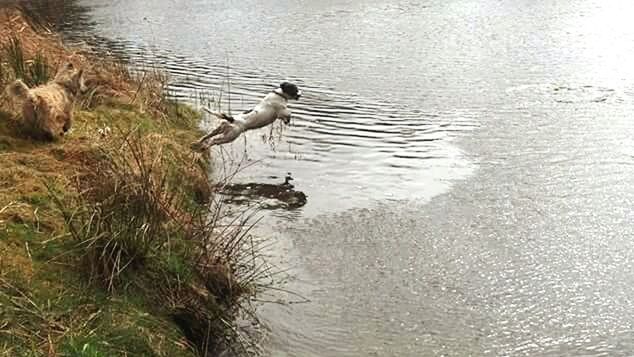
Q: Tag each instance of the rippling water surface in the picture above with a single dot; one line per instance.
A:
(469, 164)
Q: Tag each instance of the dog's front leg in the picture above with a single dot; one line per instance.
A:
(67, 123)
(285, 116)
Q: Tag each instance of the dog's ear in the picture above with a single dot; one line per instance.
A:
(80, 81)
(79, 76)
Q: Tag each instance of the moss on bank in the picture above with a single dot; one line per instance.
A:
(106, 246)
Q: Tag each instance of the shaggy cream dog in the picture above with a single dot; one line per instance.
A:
(273, 106)
(47, 109)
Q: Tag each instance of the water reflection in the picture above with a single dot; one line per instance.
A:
(63, 15)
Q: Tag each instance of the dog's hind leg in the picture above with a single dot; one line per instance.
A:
(198, 145)
(226, 137)
(220, 139)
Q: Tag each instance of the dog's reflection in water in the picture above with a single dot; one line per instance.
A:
(284, 193)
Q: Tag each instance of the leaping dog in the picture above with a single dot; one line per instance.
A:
(273, 106)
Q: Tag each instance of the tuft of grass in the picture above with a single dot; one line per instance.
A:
(136, 226)
(39, 70)
(125, 204)
(33, 74)
(15, 57)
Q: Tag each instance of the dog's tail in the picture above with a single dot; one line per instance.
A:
(224, 116)
(227, 117)
(18, 89)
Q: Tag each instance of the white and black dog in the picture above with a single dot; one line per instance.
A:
(273, 106)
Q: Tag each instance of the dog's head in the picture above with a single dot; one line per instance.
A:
(290, 90)
(71, 78)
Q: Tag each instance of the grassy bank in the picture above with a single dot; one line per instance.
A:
(110, 238)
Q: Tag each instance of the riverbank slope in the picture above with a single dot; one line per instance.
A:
(106, 248)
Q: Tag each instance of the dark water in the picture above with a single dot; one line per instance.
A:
(468, 164)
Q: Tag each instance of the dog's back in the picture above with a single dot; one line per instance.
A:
(265, 112)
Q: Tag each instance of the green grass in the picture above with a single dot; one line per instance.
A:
(80, 320)
(106, 243)
(18, 232)
(85, 347)
(106, 237)
(56, 303)
(45, 289)
(39, 70)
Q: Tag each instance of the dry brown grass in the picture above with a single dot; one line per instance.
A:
(107, 77)
(25, 164)
(131, 210)
(139, 220)
(132, 195)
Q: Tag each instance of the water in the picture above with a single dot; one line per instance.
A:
(468, 164)
(353, 142)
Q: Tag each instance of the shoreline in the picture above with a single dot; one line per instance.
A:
(105, 241)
